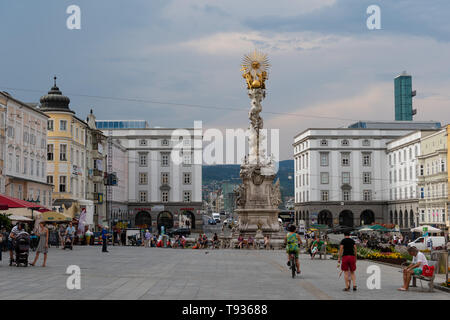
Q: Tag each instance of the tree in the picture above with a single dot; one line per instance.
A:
(5, 222)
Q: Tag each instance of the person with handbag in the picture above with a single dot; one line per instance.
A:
(418, 262)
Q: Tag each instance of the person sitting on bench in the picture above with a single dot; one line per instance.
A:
(415, 268)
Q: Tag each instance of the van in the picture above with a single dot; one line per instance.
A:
(424, 243)
(216, 216)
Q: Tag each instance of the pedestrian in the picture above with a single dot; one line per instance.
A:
(19, 227)
(123, 237)
(347, 254)
(215, 240)
(147, 236)
(61, 233)
(70, 232)
(43, 243)
(419, 260)
(105, 239)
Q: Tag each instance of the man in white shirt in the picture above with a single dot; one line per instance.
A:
(419, 260)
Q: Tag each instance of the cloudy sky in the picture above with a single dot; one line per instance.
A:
(327, 69)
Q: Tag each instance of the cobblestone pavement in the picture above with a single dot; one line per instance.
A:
(157, 273)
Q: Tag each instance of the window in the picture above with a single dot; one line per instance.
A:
(63, 152)
(142, 142)
(324, 196)
(390, 176)
(38, 164)
(62, 125)
(50, 152)
(346, 195)
(142, 159)
(324, 159)
(62, 183)
(50, 179)
(165, 160)
(345, 177)
(421, 169)
(187, 196)
(345, 142)
(142, 196)
(142, 178)
(366, 159)
(187, 159)
(165, 196)
(323, 142)
(442, 165)
(164, 178)
(50, 125)
(324, 177)
(76, 133)
(31, 166)
(25, 161)
(366, 143)
(17, 163)
(165, 142)
(367, 195)
(345, 159)
(367, 177)
(187, 178)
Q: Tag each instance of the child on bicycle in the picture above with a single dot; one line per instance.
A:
(292, 246)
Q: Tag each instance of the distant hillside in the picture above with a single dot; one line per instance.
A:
(218, 174)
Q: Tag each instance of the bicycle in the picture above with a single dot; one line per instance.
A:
(292, 264)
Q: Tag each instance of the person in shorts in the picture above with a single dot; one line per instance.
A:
(347, 259)
(419, 260)
(292, 246)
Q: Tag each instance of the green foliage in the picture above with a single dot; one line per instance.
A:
(5, 221)
(218, 174)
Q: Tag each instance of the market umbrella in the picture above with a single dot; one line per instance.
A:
(19, 218)
(52, 216)
(378, 227)
(365, 229)
(428, 229)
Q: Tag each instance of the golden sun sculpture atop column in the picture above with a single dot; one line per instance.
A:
(255, 66)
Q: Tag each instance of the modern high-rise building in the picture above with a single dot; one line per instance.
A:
(403, 97)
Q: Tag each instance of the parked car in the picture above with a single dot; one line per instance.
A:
(227, 221)
(179, 232)
(212, 221)
(216, 216)
(424, 243)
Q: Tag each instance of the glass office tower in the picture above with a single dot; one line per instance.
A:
(403, 97)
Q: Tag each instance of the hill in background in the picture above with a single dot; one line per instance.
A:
(215, 175)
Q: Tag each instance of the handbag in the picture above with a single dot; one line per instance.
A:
(428, 271)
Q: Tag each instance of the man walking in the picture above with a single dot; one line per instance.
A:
(105, 239)
(347, 254)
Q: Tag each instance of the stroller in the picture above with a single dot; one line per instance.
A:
(68, 243)
(22, 248)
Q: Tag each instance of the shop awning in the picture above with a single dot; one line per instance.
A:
(11, 202)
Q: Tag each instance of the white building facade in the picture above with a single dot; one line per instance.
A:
(403, 154)
(164, 181)
(341, 175)
(25, 149)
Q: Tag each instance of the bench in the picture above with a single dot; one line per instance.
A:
(421, 278)
(429, 279)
